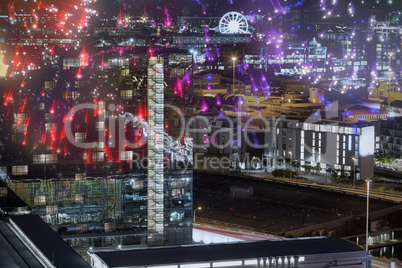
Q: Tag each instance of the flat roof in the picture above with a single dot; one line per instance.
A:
(227, 251)
(13, 253)
(304, 105)
(366, 112)
(49, 242)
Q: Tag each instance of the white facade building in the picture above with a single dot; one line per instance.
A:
(332, 146)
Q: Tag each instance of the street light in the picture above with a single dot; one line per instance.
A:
(354, 171)
(223, 149)
(390, 54)
(199, 208)
(238, 108)
(291, 165)
(234, 62)
(367, 213)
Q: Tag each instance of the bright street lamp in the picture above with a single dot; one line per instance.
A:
(354, 171)
(234, 62)
(199, 208)
(291, 165)
(367, 213)
(238, 108)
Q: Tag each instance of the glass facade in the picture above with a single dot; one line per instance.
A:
(91, 208)
(134, 174)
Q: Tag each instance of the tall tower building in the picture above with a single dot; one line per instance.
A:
(155, 154)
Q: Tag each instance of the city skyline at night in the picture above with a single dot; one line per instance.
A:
(128, 124)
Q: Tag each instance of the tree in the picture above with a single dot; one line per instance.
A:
(385, 158)
(296, 164)
(307, 168)
(317, 168)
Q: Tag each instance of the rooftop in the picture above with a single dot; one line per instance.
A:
(228, 251)
(49, 242)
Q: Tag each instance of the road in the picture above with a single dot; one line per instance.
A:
(275, 206)
(397, 198)
(235, 232)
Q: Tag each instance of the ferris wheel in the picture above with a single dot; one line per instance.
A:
(233, 23)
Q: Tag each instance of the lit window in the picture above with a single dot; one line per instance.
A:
(126, 94)
(126, 156)
(20, 170)
(80, 136)
(52, 209)
(98, 157)
(50, 126)
(3, 191)
(80, 176)
(40, 200)
(3, 170)
(19, 118)
(44, 158)
(100, 126)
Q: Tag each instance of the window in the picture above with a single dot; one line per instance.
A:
(19, 127)
(126, 94)
(50, 127)
(16, 139)
(44, 158)
(19, 118)
(80, 176)
(52, 209)
(40, 200)
(3, 191)
(73, 95)
(126, 156)
(49, 117)
(20, 170)
(80, 136)
(100, 126)
(79, 84)
(49, 85)
(101, 145)
(3, 171)
(98, 157)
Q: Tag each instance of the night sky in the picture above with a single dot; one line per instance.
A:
(157, 8)
(220, 7)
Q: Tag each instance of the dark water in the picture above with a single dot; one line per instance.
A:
(394, 251)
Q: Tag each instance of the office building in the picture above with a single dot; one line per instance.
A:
(388, 136)
(329, 146)
(126, 166)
